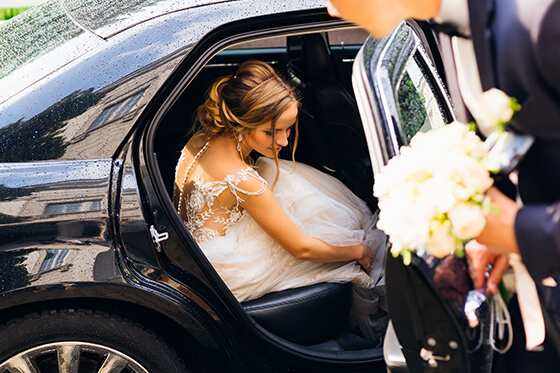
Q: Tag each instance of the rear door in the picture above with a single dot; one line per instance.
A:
(399, 94)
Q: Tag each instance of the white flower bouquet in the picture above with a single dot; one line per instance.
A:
(432, 196)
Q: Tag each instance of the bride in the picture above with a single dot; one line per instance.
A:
(272, 224)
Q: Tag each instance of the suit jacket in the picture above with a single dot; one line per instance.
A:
(517, 46)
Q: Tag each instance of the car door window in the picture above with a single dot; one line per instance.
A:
(419, 106)
(398, 92)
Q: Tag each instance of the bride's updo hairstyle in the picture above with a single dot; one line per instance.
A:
(237, 104)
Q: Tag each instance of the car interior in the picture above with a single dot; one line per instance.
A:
(331, 139)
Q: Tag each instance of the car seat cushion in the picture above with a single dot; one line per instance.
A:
(306, 315)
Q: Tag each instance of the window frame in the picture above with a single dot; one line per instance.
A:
(376, 87)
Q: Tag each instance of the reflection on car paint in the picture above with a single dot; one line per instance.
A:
(39, 193)
(36, 266)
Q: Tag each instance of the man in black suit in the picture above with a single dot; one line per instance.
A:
(516, 49)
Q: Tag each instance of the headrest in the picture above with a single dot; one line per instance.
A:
(310, 56)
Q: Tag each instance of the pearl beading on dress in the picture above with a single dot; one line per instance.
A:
(196, 157)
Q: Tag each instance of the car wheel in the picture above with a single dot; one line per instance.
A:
(80, 341)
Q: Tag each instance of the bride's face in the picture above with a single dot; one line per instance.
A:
(260, 139)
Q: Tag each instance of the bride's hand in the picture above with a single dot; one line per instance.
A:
(365, 260)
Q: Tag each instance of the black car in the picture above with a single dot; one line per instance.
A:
(98, 273)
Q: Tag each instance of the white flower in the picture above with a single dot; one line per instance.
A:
(430, 195)
(438, 192)
(467, 173)
(467, 219)
(495, 108)
(441, 243)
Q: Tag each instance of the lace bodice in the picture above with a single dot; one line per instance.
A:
(203, 214)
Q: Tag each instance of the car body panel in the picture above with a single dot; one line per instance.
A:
(56, 245)
(54, 218)
(106, 18)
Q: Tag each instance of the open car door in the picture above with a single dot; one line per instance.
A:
(399, 93)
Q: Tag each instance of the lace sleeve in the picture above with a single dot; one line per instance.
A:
(244, 176)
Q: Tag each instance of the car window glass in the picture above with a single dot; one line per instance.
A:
(419, 107)
(350, 36)
(398, 92)
(338, 39)
(276, 42)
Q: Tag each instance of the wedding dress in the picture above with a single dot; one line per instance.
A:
(252, 264)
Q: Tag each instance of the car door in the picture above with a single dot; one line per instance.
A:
(399, 94)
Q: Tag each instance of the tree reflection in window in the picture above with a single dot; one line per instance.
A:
(420, 107)
(411, 107)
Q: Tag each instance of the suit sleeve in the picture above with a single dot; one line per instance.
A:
(537, 229)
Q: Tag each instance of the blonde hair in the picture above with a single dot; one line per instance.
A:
(237, 104)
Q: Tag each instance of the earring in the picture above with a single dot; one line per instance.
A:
(239, 139)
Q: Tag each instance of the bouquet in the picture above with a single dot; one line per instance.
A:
(432, 196)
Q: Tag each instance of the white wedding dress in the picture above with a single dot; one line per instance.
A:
(252, 264)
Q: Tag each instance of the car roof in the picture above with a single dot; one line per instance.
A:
(106, 18)
(51, 35)
(78, 25)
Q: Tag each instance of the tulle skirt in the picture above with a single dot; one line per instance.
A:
(252, 264)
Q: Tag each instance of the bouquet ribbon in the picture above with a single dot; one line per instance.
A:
(529, 304)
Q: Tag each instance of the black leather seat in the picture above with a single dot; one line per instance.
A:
(331, 128)
(307, 316)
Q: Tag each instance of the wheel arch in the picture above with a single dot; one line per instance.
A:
(192, 332)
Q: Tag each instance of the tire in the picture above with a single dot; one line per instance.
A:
(80, 341)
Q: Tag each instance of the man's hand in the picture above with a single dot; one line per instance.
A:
(499, 233)
(479, 257)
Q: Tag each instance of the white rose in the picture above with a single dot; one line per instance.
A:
(438, 192)
(474, 175)
(473, 145)
(405, 218)
(494, 108)
(440, 243)
(467, 220)
(438, 140)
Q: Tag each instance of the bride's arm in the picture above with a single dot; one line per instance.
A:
(270, 216)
